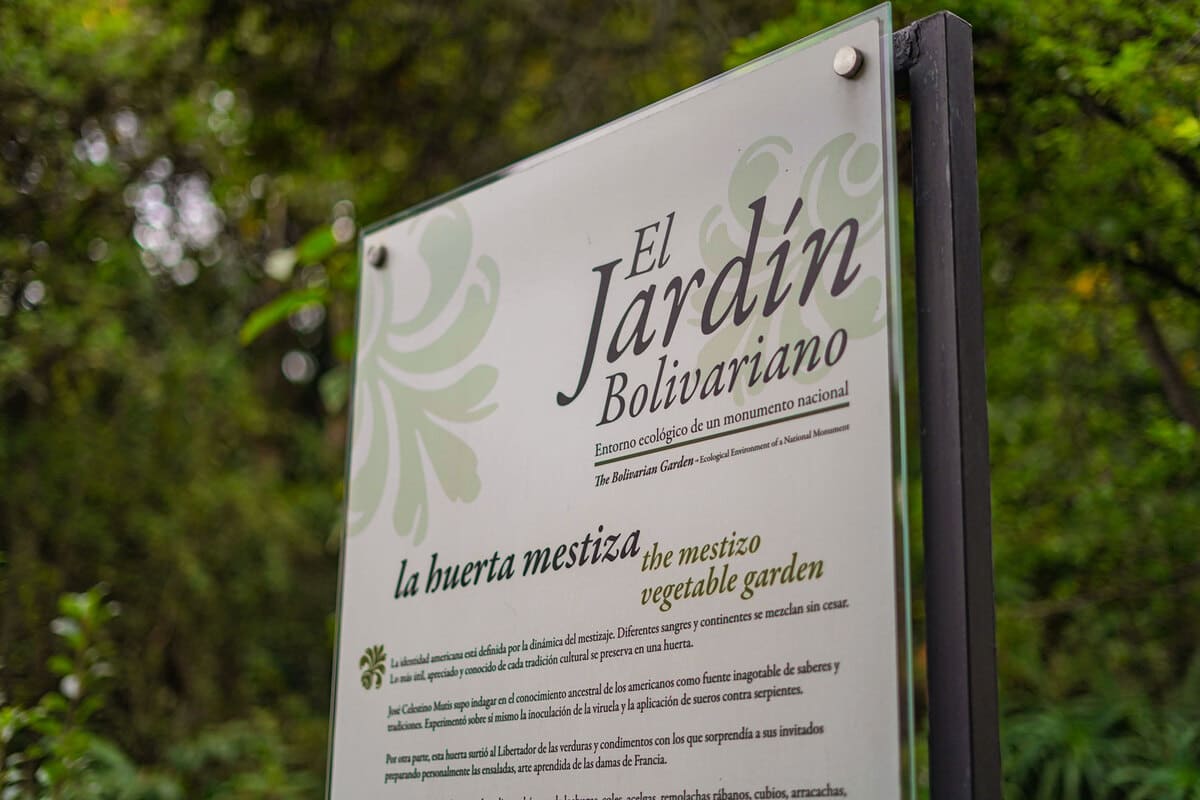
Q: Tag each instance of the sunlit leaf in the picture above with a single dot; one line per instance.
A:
(279, 310)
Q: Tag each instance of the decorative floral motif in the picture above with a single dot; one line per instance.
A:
(412, 388)
(373, 664)
(843, 179)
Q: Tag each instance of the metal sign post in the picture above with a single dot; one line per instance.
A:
(964, 748)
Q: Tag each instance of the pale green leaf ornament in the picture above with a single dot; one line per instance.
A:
(416, 390)
(843, 178)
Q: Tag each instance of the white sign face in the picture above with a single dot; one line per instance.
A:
(622, 513)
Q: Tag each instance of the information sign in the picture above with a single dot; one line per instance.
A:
(625, 477)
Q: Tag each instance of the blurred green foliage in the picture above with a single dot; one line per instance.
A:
(174, 176)
(180, 186)
(50, 750)
(1089, 181)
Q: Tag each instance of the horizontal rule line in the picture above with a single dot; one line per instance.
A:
(712, 436)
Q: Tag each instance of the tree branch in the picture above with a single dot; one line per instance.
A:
(1153, 269)
(1111, 593)
(1090, 104)
(1165, 274)
(1179, 395)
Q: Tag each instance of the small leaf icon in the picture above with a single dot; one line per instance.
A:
(373, 665)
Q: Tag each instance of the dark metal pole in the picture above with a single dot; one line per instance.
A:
(964, 747)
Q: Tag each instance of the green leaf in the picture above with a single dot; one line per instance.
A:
(315, 246)
(334, 387)
(60, 665)
(278, 310)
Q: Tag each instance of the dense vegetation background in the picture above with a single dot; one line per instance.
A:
(180, 186)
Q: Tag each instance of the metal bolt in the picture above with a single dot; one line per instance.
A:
(847, 61)
(377, 256)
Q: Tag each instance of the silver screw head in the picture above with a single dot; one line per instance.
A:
(847, 61)
(377, 255)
